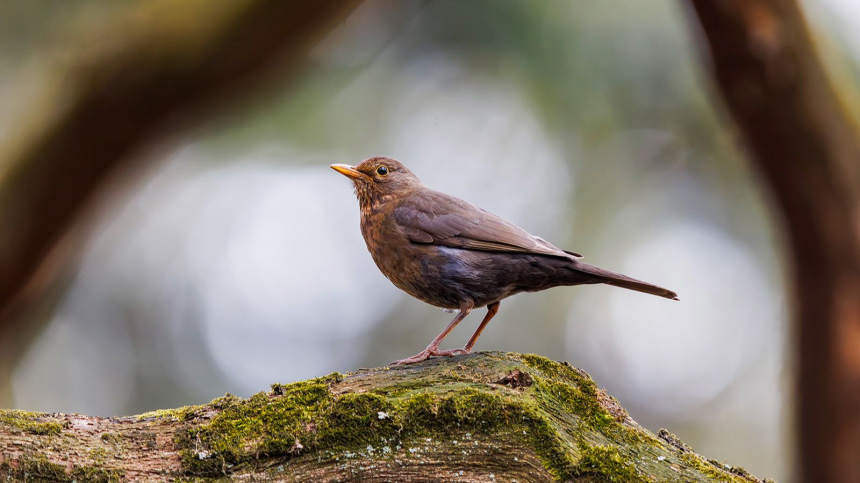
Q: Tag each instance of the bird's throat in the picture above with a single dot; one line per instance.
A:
(371, 201)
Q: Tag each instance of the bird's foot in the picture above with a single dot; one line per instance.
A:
(452, 352)
(427, 353)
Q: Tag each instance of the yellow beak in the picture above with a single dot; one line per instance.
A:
(348, 171)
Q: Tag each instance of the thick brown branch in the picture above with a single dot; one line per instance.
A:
(807, 150)
(490, 417)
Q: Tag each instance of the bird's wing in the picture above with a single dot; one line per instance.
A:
(439, 219)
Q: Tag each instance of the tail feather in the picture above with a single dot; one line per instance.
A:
(623, 281)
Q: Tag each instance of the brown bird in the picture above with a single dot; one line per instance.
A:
(456, 256)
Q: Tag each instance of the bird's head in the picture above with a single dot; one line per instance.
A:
(378, 178)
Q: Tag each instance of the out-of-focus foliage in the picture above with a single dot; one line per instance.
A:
(238, 261)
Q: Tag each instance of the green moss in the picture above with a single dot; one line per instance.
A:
(38, 468)
(179, 414)
(561, 384)
(713, 470)
(424, 413)
(281, 389)
(580, 400)
(98, 455)
(94, 474)
(403, 388)
(353, 421)
(282, 422)
(606, 463)
(547, 366)
(571, 388)
(543, 437)
(112, 438)
(29, 422)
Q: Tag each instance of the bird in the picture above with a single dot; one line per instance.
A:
(456, 256)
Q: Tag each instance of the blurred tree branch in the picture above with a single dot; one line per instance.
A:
(807, 150)
(477, 418)
(162, 66)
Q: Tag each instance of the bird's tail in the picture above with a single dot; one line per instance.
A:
(599, 275)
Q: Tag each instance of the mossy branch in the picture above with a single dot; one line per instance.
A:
(478, 418)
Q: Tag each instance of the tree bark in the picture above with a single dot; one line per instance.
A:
(807, 151)
(162, 65)
(488, 417)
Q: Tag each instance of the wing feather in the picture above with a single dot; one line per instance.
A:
(435, 218)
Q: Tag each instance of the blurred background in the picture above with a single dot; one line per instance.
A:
(231, 258)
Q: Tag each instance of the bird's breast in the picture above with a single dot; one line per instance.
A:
(389, 246)
(419, 270)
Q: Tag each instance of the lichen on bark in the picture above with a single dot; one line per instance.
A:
(481, 417)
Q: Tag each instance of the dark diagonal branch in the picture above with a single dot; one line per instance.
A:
(163, 64)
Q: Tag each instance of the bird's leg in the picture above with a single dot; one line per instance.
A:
(492, 310)
(433, 348)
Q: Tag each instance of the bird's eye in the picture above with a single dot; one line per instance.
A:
(382, 171)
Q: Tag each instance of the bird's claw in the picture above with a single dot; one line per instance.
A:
(452, 352)
(427, 353)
